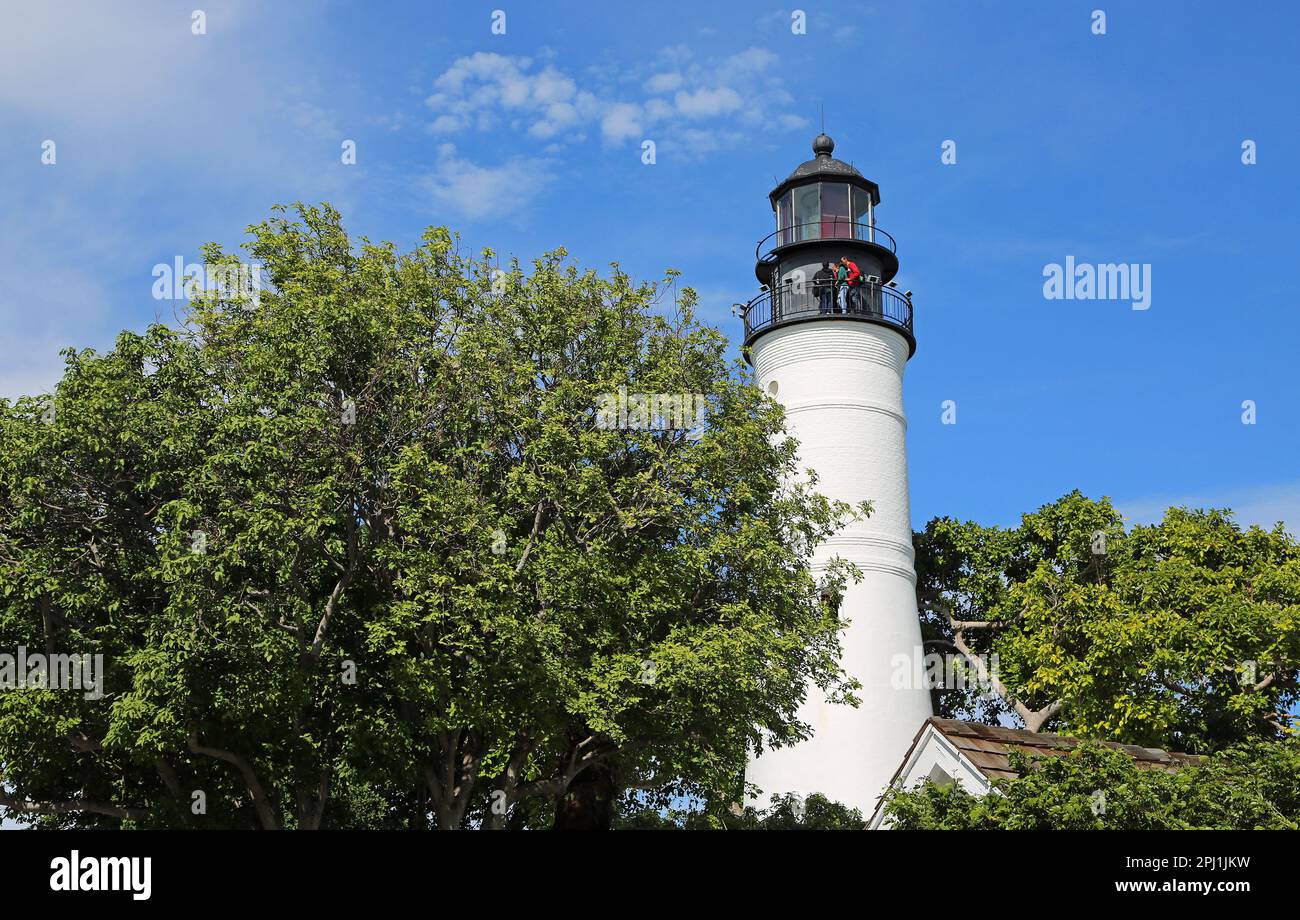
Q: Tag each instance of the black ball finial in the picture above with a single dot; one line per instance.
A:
(823, 146)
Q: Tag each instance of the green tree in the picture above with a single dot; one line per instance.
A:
(359, 548)
(1183, 635)
(787, 812)
(1254, 785)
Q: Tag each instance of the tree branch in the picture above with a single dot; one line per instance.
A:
(331, 605)
(578, 761)
(532, 538)
(168, 775)
(261, 802)
(508, 782)
(71, 806)
(1034, 719)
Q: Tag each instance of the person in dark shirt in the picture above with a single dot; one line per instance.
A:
(824, 288)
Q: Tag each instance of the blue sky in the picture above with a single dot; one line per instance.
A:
(1123, 147)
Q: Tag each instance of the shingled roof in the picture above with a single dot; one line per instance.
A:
(988, 746)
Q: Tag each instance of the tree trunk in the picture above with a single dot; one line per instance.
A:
(589, 803)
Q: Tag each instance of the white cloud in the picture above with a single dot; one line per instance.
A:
(846, 34)
(621, 121)
(474, 86)
(659, 111)
(746, 64)
(1263, 505)
(707, 103)
(675, 92)
(552, 86)
(483, 65)
(104, 61)
(311, 119)
(447, 124)
(204, 124)
(565, 118)
(50, 298)
(559, 116)
(473, 192)
(663, 83)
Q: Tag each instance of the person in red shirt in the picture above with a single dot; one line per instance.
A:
(854, 281)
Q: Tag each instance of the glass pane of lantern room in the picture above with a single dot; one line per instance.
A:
(784, 219)
(835, 210)
(861, 213)
(807, 213)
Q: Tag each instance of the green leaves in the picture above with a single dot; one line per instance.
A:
(361, 541)
(1180, 635)
(1097, 787)
(784, 813)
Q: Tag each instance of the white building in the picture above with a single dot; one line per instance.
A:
(834, 357)
(972, 756)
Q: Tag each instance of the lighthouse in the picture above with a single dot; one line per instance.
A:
(834, 358)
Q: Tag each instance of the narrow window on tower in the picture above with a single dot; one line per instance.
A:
(861, 214)
(807, 213)
(785, 219)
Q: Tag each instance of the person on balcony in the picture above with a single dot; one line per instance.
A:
(824, 288)
(852, 283)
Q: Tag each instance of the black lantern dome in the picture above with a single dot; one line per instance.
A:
(825, 166)
(825, 211)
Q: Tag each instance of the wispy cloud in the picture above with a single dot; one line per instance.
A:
(1264, 505)
(480, 90)
(687, 106)
(468, 190)
(668, 98)
(105, 62)
(134, 99)
(48, 299)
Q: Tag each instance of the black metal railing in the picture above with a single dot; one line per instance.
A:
(793, 302)
(829, 228)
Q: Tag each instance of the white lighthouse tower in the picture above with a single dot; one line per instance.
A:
(836, 364)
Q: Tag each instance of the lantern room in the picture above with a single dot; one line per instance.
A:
(825, 216)
(825, 199)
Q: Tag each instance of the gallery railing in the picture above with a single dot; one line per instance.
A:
(828, 228)
(797, 301)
